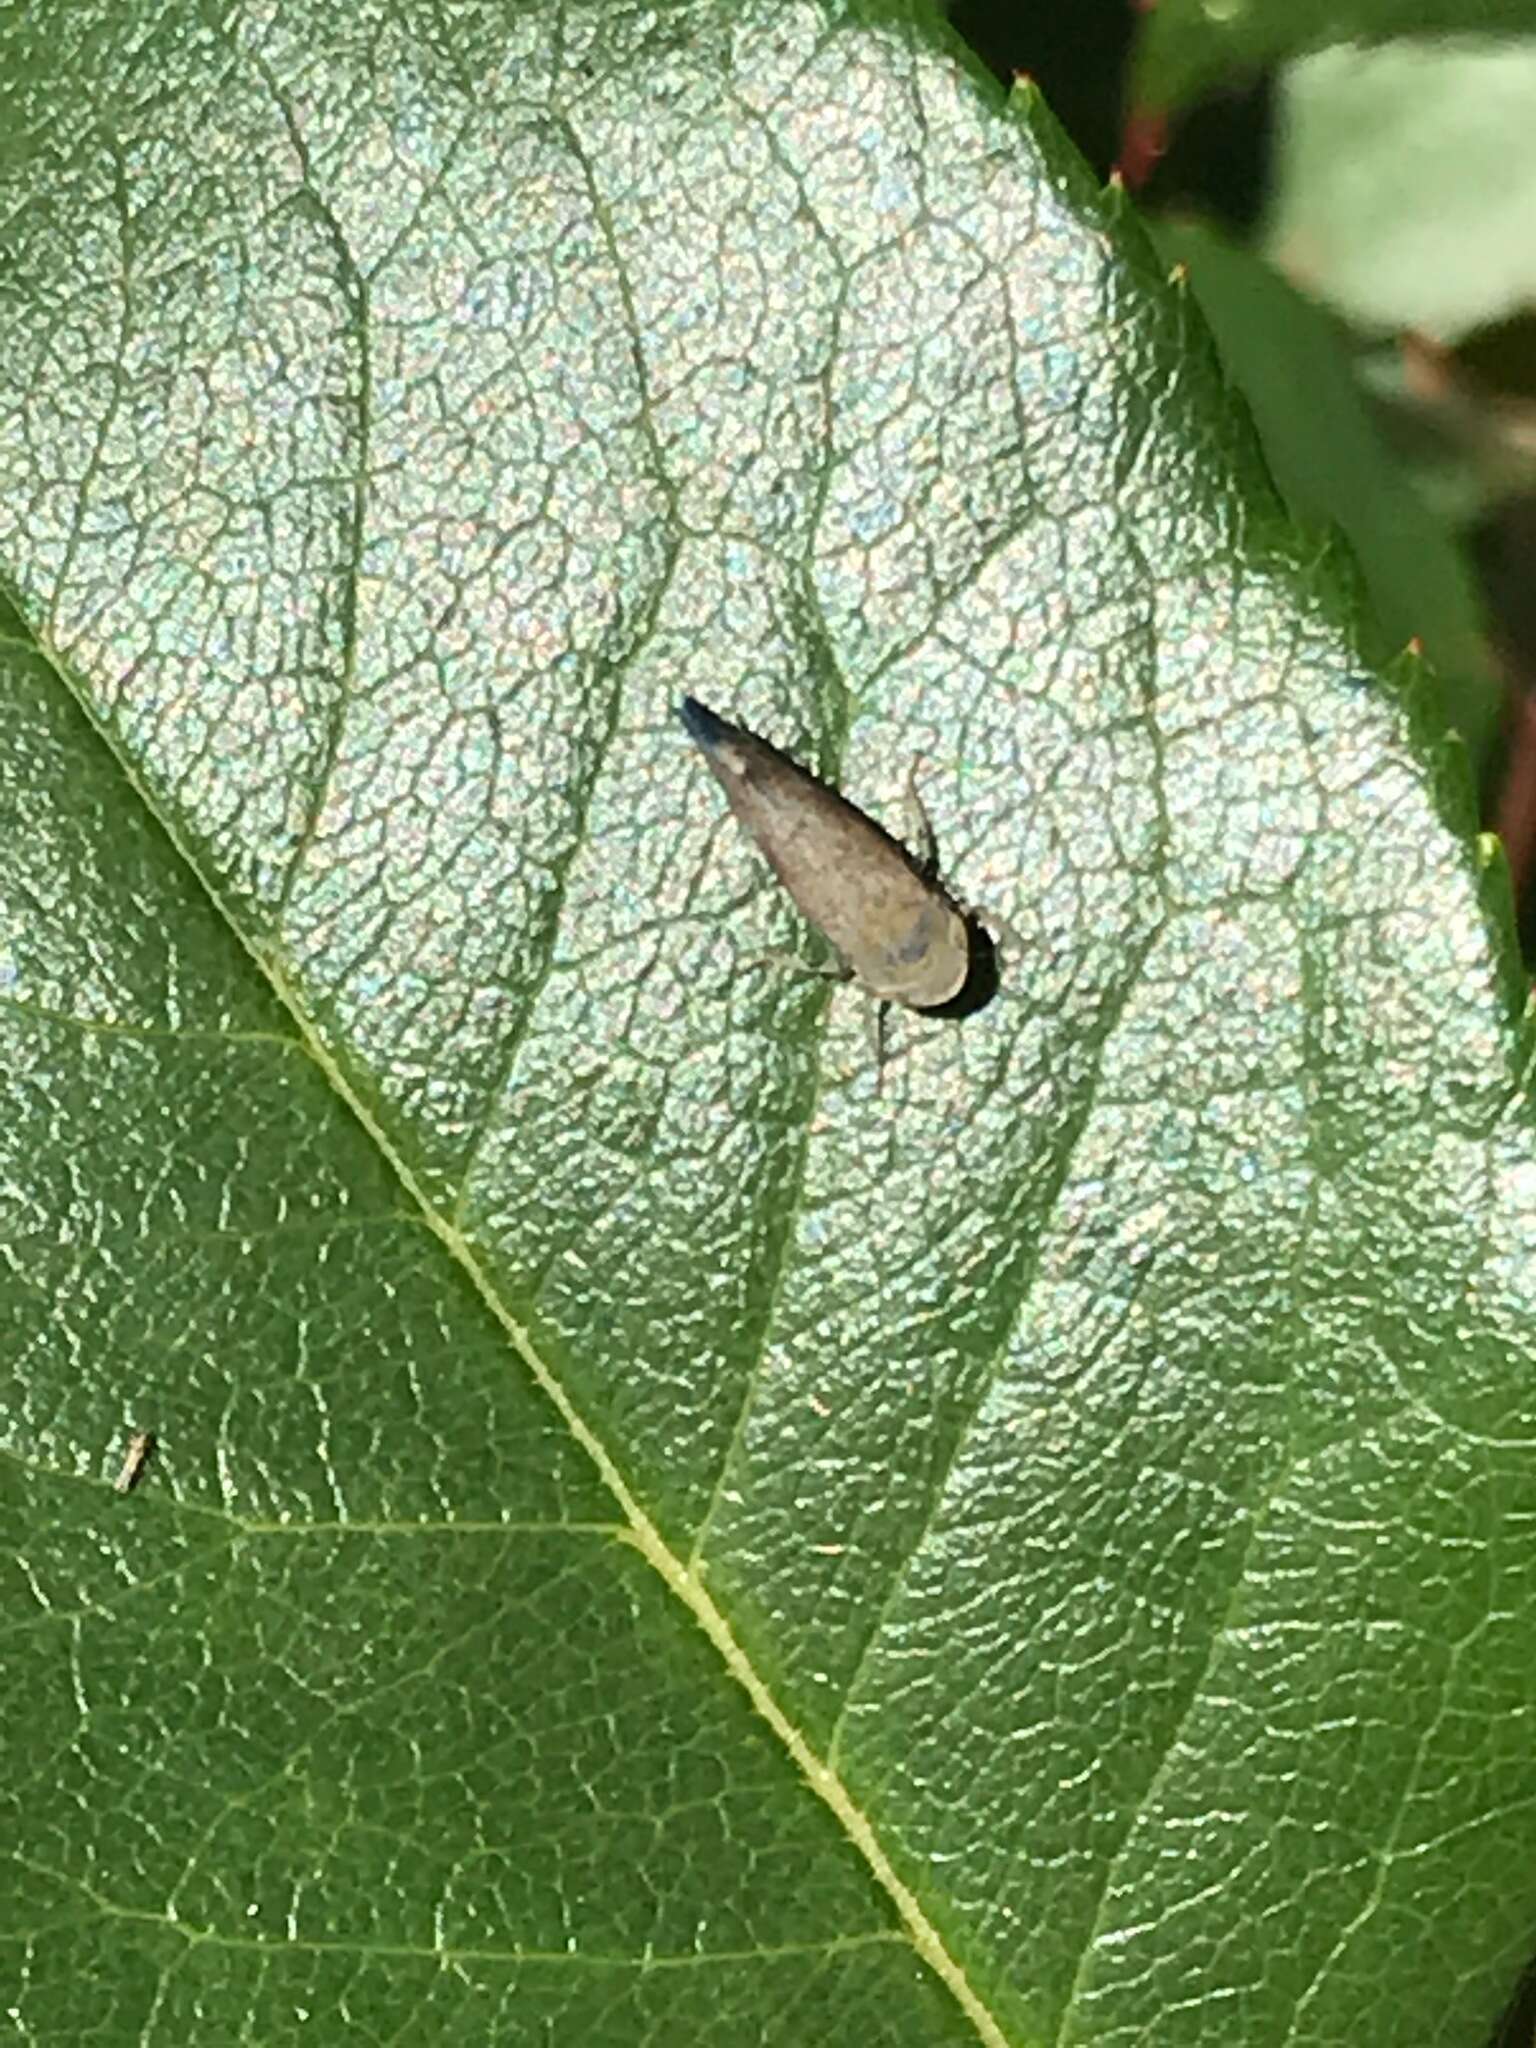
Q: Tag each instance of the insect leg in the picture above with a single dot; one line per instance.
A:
(880, 1014)
(996, 923)
(918, 827)
(829, 970)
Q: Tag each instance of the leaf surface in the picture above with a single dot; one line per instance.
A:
(652, 1538)
(1333, 462)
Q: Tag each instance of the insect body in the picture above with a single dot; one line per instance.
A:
(902, 934)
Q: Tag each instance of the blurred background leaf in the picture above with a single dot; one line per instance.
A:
(1188, 46)
(1406, 187)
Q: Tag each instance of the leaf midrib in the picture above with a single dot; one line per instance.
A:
(638, 1527)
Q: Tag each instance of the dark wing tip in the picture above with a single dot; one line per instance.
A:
(702, 723)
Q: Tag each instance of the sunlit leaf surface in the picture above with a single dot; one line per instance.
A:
(651, 1538)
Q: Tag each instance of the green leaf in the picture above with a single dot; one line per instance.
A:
(1290, 360)
(1407, 180)
(651, 1537)
(1188, 46)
